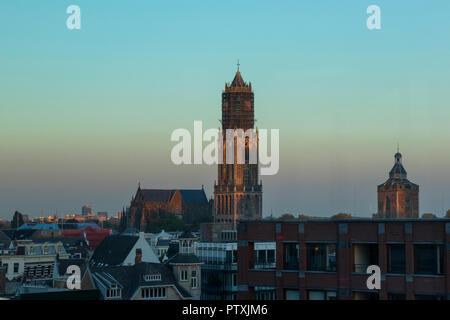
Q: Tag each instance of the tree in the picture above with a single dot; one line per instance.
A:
(303, 217)
(204, 217)
(428, 216)
(342, 215)
(168, 223)
(17, 220)
(287, 216)
(447, 215)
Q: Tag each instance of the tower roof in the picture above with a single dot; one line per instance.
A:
(238, 81)
(398, 171)
(238, 84)
(397, 175)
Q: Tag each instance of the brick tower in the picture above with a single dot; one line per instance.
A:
(238, 194)
(398, 197)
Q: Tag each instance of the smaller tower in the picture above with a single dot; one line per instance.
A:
(398, 197)
(186, 266)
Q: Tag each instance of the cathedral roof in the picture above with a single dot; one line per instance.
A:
(165, 195)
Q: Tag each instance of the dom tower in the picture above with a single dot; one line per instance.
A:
(238, 193)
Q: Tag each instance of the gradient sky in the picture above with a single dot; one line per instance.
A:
(85, 115)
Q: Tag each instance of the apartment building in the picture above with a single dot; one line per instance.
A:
(326, 259)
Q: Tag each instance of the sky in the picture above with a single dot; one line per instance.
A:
(87, 114)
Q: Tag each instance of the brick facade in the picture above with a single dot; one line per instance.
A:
(387, 243)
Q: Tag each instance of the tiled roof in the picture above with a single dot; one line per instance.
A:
(114, 249)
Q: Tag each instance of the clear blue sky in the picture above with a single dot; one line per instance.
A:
(86, 114)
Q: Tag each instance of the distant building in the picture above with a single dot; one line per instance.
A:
(398, 197)
(86, 210)
(103, 214)
(151, 204)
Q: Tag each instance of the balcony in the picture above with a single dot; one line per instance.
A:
(364, 255)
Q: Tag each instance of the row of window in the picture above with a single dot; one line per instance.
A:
(113, 292)
(428, 258)
(153, 293)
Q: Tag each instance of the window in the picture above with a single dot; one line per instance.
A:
(396, 258)
(428, 297)
(321, 257)
(396, 296)
(265, 259)
(234, 280)
(290, 294)
(16, 267)
(153, 293)
(321, 295)
(359, 295)
(113, 292)
(194, 279)
(265, 293)
(291, 255)
(429, 259)
(183, 275)
(152, 277)
(231, 256)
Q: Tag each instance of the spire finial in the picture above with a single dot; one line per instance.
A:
(398, 147)
(238, 64)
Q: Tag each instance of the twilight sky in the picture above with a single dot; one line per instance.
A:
(86, 114)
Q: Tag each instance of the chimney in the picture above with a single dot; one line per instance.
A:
(138, 256)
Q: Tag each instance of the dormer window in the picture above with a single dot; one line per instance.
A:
(152, 277)
(113, 292)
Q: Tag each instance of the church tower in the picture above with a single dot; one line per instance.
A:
(398, 197)
(238, 193)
